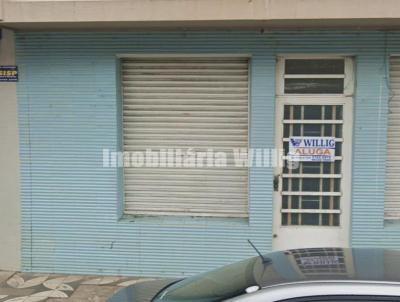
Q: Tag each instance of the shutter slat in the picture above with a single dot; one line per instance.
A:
(184, 113)
(188, 131)
(183, 125)
(188, 171)
(186, 95)
(184, 108)
(184, 102)
(186, 119)
(392, 183)
(181, 84)
(197, 103)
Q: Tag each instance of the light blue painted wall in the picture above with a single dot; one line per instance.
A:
(67, 98)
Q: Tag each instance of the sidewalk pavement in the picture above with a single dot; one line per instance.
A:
(30, 287)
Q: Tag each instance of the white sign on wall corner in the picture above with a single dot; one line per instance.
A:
(311, 149)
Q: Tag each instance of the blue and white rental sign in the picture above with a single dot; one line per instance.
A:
(311, 149)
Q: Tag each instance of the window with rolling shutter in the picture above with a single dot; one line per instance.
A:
(392, 185)
(195, 104)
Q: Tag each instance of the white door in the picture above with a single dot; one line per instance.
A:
(312, 199)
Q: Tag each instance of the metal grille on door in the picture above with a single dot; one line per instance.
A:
(311, 191)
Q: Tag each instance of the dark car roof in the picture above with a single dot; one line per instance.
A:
(300, 265)
(292, 266)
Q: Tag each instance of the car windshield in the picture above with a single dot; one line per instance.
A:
(223, 283)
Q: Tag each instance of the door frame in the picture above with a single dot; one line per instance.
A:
(346, 100)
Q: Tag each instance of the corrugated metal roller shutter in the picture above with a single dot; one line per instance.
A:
(392, 187)
(186, 102)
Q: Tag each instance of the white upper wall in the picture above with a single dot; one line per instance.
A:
(34, 14)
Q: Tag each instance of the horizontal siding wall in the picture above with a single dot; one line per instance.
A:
(68, 113)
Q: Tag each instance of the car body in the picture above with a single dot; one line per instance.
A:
(302, 275)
